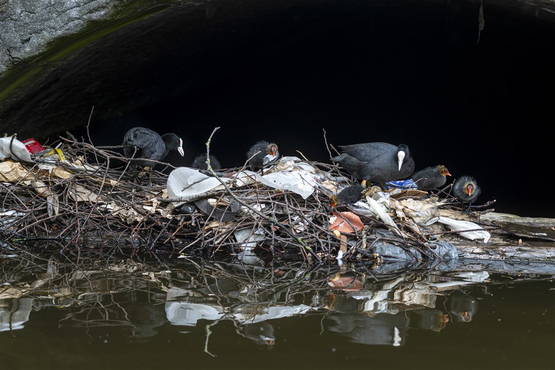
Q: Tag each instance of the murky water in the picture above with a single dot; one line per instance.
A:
(231, 317)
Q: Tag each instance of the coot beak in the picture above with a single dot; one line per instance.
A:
(447, 173)
(400, 157)
(180, 148)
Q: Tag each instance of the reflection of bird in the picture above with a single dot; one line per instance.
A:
(466, 189)
(349, 195)
(430, 319)
(200, 162)
(381, 329)
(376, 162)
(260, 333)
(141, 142)
(462, 307)
(262, 153)
(431, 177)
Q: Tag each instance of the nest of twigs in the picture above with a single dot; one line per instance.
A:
(93, 202)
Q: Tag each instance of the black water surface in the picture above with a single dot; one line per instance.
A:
(400, 322)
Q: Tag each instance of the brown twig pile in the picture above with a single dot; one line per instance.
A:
(95, 203)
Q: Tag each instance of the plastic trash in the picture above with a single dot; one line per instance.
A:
(188, 183)
(402, 184)
(33, 145)
(466, 229)
(12, 148)
(290, 173)
(249, 237)
(380, 210)
(445, 251)
(9, 217)
(59, 152)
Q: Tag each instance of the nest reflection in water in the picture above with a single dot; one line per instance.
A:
(367, 306)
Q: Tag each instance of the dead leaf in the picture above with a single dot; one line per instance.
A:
(79, 193)
(409, 193)
(346, 222)
(345, 283)
(61, 173)
(11, 171)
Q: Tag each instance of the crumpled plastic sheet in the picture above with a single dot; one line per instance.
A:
(392, 252)
(289, 173)
(187, 183)
(445, 250)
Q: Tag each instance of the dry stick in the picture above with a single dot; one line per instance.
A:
(88, 130)
(302, 155)
(326, 142)
(112, 155)
(99, 192)
(228, 190)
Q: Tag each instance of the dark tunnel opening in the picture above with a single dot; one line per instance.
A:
(402, 72)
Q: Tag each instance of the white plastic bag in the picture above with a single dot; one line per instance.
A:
(10, 147)
(461, 228)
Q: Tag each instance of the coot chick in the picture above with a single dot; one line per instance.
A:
(262, 153)
(431, 177)
(466, 189)
(200, 162)
(148, 144)
(376, 162)
(349, 195)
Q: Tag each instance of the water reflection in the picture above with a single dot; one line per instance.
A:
(249, 317)
(14, 313)
(360, 306)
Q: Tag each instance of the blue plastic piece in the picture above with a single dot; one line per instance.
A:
(402, 184)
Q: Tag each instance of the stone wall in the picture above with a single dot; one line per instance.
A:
(26, 26)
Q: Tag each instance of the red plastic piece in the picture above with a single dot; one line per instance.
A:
(33, 146)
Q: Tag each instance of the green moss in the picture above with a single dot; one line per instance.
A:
(18, 82)
(131, 12)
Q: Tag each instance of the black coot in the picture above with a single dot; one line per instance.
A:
(349, 195)
(200, 162)
(431, 177)
(141, 142)
(376, 162)
(262, 153)
(466, 189)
